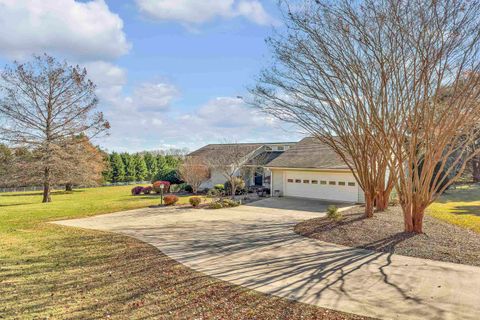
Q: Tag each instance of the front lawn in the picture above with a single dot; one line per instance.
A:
(50, 271)
(460, 206)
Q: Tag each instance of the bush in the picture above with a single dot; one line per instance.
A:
(213, 193)
(147, 190)
(224, 203)
(195, 201)
(188, 188)
(137, 191)
(170, 200)
(156, 186)
(219, 187)
(239, 184)
(334, 214)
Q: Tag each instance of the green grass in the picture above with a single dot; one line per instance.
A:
(459, 206)
(51, 271)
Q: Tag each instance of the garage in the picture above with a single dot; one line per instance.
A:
(311, 169)
(335, 186)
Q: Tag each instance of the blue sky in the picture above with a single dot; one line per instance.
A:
(168, 71)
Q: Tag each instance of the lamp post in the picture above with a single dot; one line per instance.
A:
(161, 193)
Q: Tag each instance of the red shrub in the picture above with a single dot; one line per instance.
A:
(147, 190)
(170, 200)
(157, 184)
(137, 190)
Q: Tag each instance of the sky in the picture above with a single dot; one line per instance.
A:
(169, 73)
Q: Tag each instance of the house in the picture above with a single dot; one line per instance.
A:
(306, 169)
(311, 169)
(254, 157)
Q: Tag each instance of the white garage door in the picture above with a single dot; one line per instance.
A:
(319, 185)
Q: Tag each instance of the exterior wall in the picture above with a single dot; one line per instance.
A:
(306, 188)
(277, 179)
(215, 178)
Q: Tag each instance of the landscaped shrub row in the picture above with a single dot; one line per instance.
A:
(224, 203)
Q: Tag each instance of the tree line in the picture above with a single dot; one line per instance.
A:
(145, 166)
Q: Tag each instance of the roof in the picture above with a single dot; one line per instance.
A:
(263, 158)
(309, 153)
(211, 150)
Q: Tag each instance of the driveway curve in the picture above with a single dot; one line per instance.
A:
(255, 246)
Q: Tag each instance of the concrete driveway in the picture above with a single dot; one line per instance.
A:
(255, 246)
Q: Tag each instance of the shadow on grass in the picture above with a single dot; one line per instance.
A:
(468, 210)
(82, 274)
(39, 193)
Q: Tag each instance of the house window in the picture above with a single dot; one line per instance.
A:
(290, 180)
(268, 148)
(314, 181)
(306, 181)
(298, 181)
(351, 184)
(332, 183)
(341, 183)
(280, 148)
(323, 182)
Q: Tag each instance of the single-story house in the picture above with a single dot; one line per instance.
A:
(311, 169)
(306, 169)
(255, 157)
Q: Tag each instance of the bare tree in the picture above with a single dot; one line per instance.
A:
(44, 103)
(377, 73)
(227, 161)
(325, 81)
(194, 172)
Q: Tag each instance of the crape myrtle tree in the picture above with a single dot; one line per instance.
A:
(194, 172)
(325, 81)
(405, 72)
(44, 103)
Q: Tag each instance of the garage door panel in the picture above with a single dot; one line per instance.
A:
(321, 186)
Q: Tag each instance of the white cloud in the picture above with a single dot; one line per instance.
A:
(109, 79)
(82, 30)
(155, 96)
(197, 12)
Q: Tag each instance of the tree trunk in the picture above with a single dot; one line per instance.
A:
(476, 169)
(68, 187)
(369, 205)
(382, 200)
(413, 219)
(46, 186)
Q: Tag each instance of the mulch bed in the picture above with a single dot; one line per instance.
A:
(440, 241)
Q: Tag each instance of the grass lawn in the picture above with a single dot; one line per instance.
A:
(459, 206)
(50, 271)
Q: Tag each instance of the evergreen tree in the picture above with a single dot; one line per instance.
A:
(140, 167)
(152, 166)
(117, 167)
(130, 166)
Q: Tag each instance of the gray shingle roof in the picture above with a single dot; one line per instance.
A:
(309, 153)
(211, 150)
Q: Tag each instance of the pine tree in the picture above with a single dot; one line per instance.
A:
(118, 167)
(140, 167)
(130, 172)
(152, 166)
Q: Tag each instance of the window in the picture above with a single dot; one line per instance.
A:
(314, 181)
(341, 183)
(351, 184)
(298, 181)
(280, 148)
(332, 183)
(323, 182)
(290, 180)
(306, 181)
(268, 148)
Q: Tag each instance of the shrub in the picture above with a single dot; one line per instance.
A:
(334, 214)
(147, 190)
(219, 187)
(239, 184)
(188, 188)
(137, 191)
(195, 201)
(170, 200)
(230, 203)
(156, 186)
(213, 193)
(215, 205)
